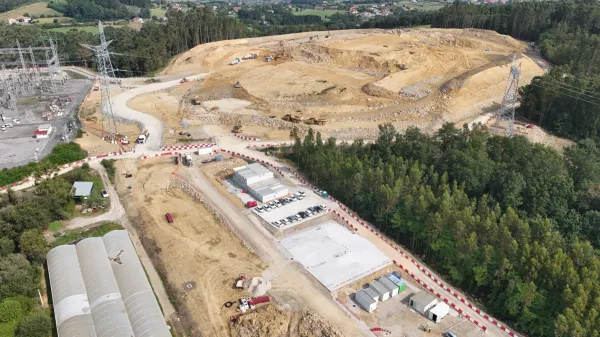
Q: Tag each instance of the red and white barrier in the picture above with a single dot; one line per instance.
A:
(256, 139)
(187, 147)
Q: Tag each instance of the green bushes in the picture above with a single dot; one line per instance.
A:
(110, 168)
(61, 154)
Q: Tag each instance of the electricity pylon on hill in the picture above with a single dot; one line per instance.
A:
(105, 70)
(507, 109)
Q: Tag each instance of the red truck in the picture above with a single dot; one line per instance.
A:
(169, 217)
(251, 204)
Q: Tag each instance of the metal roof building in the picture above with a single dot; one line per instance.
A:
(99, 289)
(267, 190)
(365, 300)
(82, 188)
(422, 302)
(251, 174)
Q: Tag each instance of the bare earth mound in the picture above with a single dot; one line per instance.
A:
(356, 79)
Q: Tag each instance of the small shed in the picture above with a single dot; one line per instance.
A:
(82, 189)
(372, 294)
(383, 293)
(389, 285)
(439, 312)
(422, 302)
(365, 300)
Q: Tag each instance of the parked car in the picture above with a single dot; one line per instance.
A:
(104, 194)
(303, 215)
(169, 218)
(308, 213)
(275, 223)
(301, 192)
(251, 203)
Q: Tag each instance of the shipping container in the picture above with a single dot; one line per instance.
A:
(260, 299)
(169, 217)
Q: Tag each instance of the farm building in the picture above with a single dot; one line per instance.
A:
(365, 300)
(422, 302)
(389, 285)
(439, 312)
(259, 182)
(383, 293)
(99, 288)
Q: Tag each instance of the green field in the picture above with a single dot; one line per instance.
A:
(35, 9)
(322, 14)
(158, 12)
(90, 29)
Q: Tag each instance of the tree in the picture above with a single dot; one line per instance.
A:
(17, 276)
(36, 325)
(7, 246)
(33, 245)
(10, 309)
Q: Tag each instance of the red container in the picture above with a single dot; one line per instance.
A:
(251, 204)
(260, 299)
(169, 217)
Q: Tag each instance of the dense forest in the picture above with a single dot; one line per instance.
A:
(504, 219)
(23, 218)
(566, 34)
(7, 5)
(91, 10)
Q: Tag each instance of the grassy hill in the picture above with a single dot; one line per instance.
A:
(35, 9)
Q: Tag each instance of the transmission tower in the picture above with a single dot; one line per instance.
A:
(10, 94)
(105, 69)
(109, 68)
(507, 109)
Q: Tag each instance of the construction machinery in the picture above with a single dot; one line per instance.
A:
(184, 80)
(237, 127)
(316, 121)
(196, 100)
(250, 56)
(292, 118)
(237, 85)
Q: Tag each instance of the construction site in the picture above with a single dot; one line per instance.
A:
(345, 83)
(242, 244)
(38, 103)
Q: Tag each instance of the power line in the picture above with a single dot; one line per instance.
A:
(562, 93)
(576, 90)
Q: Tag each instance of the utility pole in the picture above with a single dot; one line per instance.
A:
(105, 69)
(507, 109)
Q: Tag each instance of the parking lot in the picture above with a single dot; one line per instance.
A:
(292, 210)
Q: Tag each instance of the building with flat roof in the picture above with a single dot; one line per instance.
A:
(365, 300)
(100, 289)
(251, 174)
(389, 285)
(438, 312)
(422, 302)
(82, 189)
(383, 293)
(259, 182)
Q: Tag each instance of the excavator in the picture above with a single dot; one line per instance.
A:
(316, 121)
(292, 118)
(237, 127)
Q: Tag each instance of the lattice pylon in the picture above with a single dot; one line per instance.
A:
(507, 109)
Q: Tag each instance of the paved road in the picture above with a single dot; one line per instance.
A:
(149, 122)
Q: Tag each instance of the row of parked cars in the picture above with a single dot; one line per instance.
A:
(300, 215)
(281, 202)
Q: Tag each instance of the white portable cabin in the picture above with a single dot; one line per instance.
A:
(205, 151)
(383, 293)
(439, 312)
(372, 294)
(389, 285)
(365, 300)
(422, 302)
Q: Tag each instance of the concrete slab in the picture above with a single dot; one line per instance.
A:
(334, 255)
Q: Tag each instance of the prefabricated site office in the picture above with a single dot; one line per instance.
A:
(259, 182)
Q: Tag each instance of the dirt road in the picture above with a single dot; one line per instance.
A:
(290, 281)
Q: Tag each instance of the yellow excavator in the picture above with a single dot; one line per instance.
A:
(237, 127)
